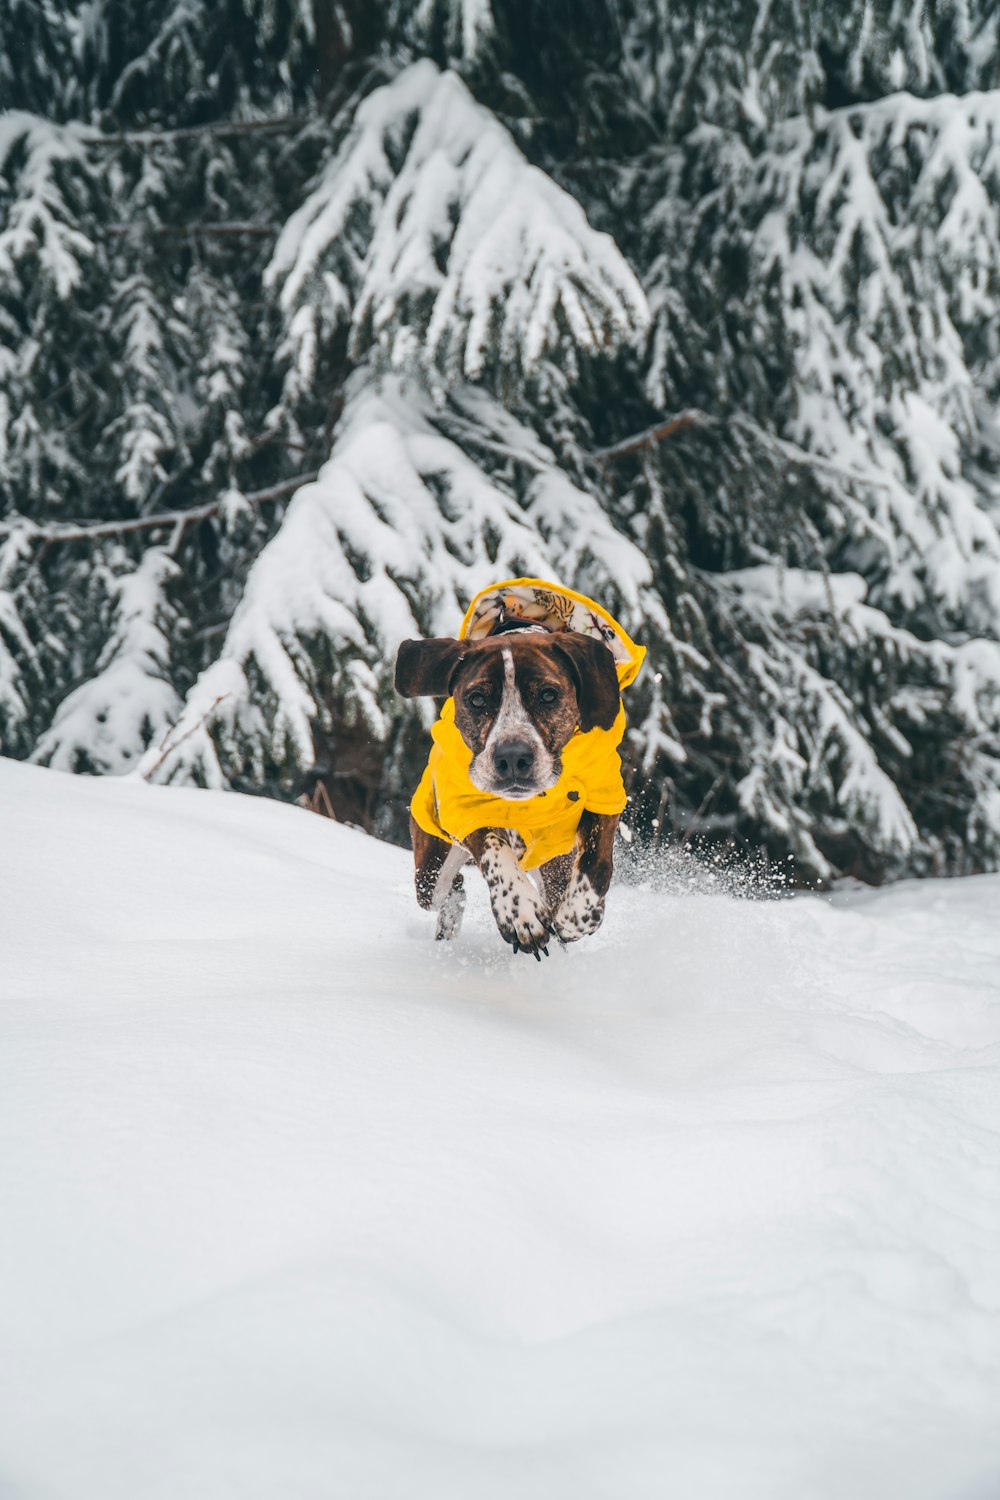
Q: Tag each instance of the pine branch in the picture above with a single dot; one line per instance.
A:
(70, 531)
(800, 457)
(466, 432)
(277, 126)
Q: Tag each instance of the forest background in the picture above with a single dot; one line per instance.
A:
(316, 318)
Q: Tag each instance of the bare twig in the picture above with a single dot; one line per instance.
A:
(69, 531)
(120, 231)
(702, 809)
(271, 438)
(319, 802)
(168, 746)
(652, 435)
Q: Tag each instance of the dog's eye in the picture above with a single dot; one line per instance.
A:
(548, 695)
(476, 700)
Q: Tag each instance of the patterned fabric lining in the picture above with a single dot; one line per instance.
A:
(548, 605)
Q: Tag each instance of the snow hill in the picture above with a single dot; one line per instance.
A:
(296, 1203)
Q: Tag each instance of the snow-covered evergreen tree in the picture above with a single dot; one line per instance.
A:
(315, 319)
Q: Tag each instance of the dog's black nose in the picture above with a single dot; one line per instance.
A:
(514, 760)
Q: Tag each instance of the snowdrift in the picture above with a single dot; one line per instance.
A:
(296, 1203)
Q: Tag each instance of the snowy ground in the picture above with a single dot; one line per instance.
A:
(295, 1203)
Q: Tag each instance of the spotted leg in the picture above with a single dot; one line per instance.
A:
(519, 908)
(579, 908)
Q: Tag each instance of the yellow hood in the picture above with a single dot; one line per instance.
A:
(448, 805)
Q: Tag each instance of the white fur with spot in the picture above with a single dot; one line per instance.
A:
(580, 911)
(518, 905)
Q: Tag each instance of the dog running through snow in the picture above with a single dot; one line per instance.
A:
(524, 773)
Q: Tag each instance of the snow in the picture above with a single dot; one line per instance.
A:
(298, 1203)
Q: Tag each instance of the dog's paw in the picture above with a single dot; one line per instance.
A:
(518, 906)
(580, 911)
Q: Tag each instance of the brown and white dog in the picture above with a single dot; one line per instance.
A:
(519, 697)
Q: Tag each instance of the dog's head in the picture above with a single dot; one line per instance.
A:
(518, 699)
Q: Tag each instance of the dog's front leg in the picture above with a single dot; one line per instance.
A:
(518, 905)
(580, 910)
(436, 869)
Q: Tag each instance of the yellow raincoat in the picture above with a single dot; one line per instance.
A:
(448, 805)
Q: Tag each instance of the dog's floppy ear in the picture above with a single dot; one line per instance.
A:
(593, 670)
(424, 669)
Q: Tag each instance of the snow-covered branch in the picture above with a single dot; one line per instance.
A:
(38, 223)
(891, 208)
(105, 724)
(432, 238)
